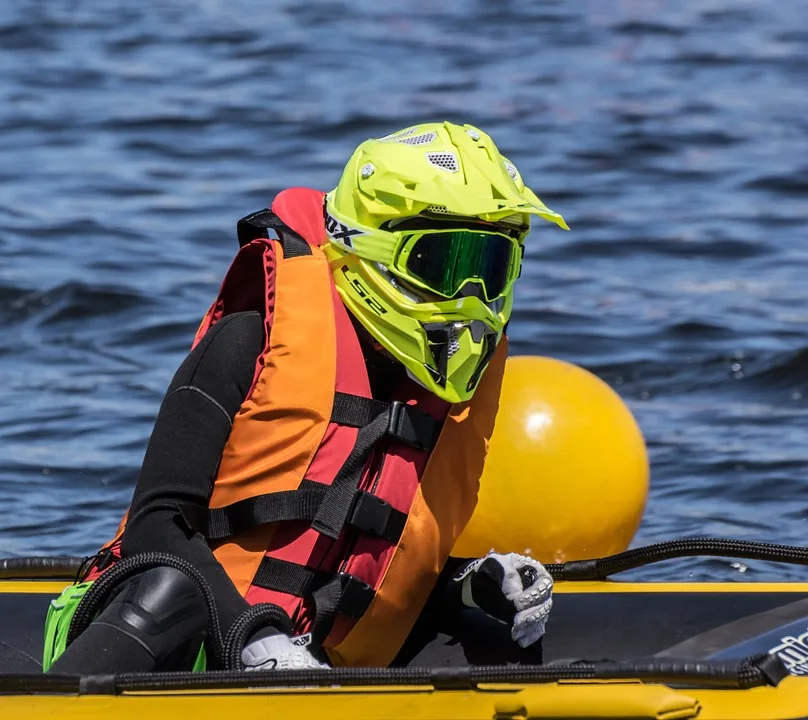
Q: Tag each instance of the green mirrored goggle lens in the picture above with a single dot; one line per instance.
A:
(444, 261)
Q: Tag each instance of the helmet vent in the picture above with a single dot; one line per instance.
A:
(422, 139)
(454, 339)
(399, 135)
(444, 160)
(438, 209)
(515, 219)
(511, 168)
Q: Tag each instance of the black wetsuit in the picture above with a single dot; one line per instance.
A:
(182, 460)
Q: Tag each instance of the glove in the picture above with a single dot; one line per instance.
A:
(280, 652)
(511, 588)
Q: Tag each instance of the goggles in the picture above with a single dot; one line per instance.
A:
(443, 261)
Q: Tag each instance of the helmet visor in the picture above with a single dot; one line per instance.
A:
(444, 261)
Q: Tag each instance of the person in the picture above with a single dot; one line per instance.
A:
(319, 450)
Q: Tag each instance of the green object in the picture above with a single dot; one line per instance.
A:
(201, 662)
(443, 261)
(57, 625)
(57, 622)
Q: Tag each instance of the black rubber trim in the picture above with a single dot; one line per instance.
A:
(601, 568)
(771, 667)
(701, 674)
(56, 568)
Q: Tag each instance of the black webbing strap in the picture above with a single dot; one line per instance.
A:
(355, 410)
(369, 514)
(338, 500)
(331, 593)
(342, 594)
(327, 600)
(283, 506)
(255, 225)
(289, 577)
(375, 420)
(330, 508)
(407, 424)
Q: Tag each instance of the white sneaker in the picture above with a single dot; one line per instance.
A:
(281, 652)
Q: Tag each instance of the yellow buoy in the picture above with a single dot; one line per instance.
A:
(566, 475)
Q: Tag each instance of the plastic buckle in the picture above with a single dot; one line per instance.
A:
(410, 426)
(398, 416)
(370, 514)
(376, 517)
(102, 560)
(355, 597)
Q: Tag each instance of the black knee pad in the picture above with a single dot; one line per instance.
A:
(164, 611)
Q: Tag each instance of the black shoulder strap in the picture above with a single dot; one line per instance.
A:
(256, 225)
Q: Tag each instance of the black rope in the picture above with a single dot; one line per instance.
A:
(601, 568)
(100, 590)
(756, 671)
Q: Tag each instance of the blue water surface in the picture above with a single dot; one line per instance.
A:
(673, 136)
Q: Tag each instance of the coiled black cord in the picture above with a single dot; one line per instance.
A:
(99, 592)
(246, 624)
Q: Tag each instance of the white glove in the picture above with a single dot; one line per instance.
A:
(511, 588)
(280, 652)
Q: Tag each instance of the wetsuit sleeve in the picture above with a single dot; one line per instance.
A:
(185, 448)
(445, 601)
(441, 610)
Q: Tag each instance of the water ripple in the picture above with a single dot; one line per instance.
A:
(672, 135)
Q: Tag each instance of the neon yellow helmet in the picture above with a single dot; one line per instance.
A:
(426, 230)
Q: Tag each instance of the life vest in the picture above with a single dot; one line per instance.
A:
(337, 507)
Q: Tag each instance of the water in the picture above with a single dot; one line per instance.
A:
(672, 135)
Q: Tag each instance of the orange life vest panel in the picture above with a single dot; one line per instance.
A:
(333, 505)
